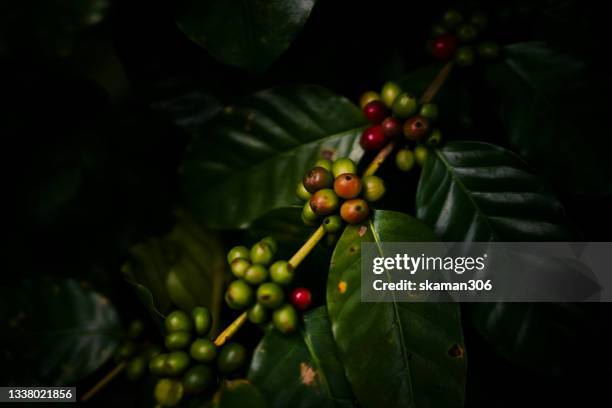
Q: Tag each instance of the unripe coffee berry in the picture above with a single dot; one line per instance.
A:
(203, 350)
(178, 321)
(177, 340)
(488, 50)
(238, 252)
(262, 254)
(354, 211)
(231, 357)
(375, 111)
(420, 154)
(444, 47)
(479, 19)
(281, 272)
(317, 179)
(391, 127)
(157, 365)
(342, 166)
(256, 274)
(135, 368)
(301, 192)
(324, 202)
(373, 188)
(416, 128)
(435, 138)
(177, 362)
(135, 330)
(332, 224)
(202, 320)
(467, 32)
(308, 216)
(301, 298)
(390, 91)
(238, 295)
(405, 105)
(373, 138)
(404, 159)
(271, 243)
(198, 378)
(452, 18)
(465, 56)
(429, 111)
(258, 314)
(368, 97)
(168, 392)
(239, 267)
(270, 295)
(325, 163)
(285, 319)
(347, 186)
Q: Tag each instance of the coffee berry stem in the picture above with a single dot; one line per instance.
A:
(308, 246)
(104, 381)
(379, 159)
(231, 329)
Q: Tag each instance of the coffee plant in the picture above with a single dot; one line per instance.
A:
(238, 282)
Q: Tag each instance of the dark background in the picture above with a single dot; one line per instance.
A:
(91, 153)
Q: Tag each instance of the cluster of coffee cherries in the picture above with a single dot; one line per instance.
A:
(334, 187)
(134, 353)
(393, 113)
(260, 286)
(456, 36)
(192, 363)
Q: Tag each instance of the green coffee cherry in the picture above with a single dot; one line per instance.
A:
(151, 351)
(125, 350)
(157, 365)
(429, 111)
(231, 357)
(271, 243)
(258, 314)
(238, 295)
(479, 19)
(343, 165)
(404, 159)
(285, 319)
(136, 368)
(390, 91)
(178, 321)
(467, 32)
(301, 192)
(176, 362)
(281, 272)
(238, 252)
(308, 214)
(405, 105)
(256, 274)
(325, 163)
(373, 188)
(488, 50)
(465, 56)
(270, 295)
(168, 392)
(203, 350)
(178, 340)
(332, 223)
(452, 18)
(198, 378)
(435, 138)
(420, 154)
(135, 330)
(239, 267)
(262, 254)
(202, 320)
(368, 97)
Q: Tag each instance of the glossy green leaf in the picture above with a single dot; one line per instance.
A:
(554, 108)
(248, 160)
(184, 269)
(239, 394)
(471, 191)
(56, 331)
(394, 354)
(250, 34)
(301, 370)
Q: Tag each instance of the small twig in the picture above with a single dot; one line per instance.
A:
(379, 159)
(104, 381)
(307, 247)
(437, 83)
(231, 330)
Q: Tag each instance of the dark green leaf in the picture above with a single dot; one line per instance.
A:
(554, 109)
(239, 394)
(56, 330)
(250, 34)
(302, 370)
(471, 191)
(394, 354)
(249, 159)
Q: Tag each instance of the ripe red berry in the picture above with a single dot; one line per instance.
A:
(301, 298)
(354, 211)
(444, 47)
(373, 138)
(347, 186)
(416, 128)
(316, 179)
(392, 127)
(375, 111)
